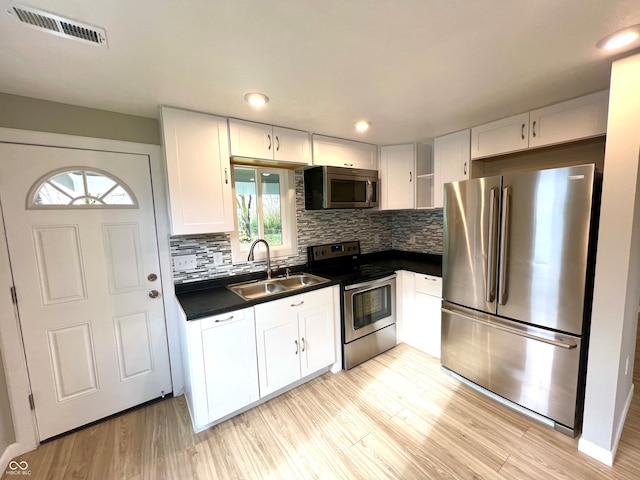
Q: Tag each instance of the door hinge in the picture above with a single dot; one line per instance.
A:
(32, 402)
(14, 297)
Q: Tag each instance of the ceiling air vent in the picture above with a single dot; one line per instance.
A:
(57, 25)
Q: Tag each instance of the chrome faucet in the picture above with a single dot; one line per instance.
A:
(250, 257)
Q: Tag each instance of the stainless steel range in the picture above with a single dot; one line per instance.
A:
(368, 300)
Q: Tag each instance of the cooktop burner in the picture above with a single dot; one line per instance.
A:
(341, 261)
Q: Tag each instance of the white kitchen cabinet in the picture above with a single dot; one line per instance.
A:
(451, 158)
(576, 119)
(259, 141)
(220, 365)
(397, 177)
(502, 136)
(344, 153)
(295, 337)
(420, 312)
(198, 172)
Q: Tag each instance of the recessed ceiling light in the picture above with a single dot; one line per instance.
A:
(256, 99)
(362, 125)
(621, 38)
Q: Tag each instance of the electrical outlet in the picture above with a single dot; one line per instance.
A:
(185, 262)
(217, 259)
(376, 238)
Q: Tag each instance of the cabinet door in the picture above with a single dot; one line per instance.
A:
(502, 136)
(291, 146)
(277, 345)
(427, 324)
(344, 153)
(251, 140)
(230, 364)
(397, 177)
(317, 346)
(198, 172)
(451, 155)
(575, 119)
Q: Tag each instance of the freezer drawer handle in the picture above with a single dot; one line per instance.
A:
(504, 246)
(490, 279)
(555, 343)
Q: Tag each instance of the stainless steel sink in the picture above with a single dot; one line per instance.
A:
(263, 288)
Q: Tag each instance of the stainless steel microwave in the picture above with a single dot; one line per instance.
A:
(340, 187)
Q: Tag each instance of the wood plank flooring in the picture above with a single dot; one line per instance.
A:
(396, 416)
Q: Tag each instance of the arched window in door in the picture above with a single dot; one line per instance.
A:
(80, 188)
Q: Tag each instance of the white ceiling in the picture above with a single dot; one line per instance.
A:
(414, 68)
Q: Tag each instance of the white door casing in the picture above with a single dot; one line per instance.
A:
(95, 341)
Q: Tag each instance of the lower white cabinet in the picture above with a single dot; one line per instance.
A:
(295, 337)
(221, 374)
(420, 314)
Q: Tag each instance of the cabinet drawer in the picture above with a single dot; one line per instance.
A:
(222, 319)
(429, 285)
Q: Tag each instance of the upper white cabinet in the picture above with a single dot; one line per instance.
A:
(198, 172)
(344, 153)
(502, 136)
(397, 177)
(265, 142)
(451, 156)
(576, 119)
(582, 117)
(406, 177)
(221, 373)
(295, 338)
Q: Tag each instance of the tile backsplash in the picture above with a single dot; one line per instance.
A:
(416, 231)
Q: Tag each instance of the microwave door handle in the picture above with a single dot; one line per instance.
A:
(369, 191)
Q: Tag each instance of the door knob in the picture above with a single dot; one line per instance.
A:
(152, 277)
(154, 293)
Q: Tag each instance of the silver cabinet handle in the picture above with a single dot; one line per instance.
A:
(410, 177)
(523, 125)
(269, 137)
(296, 342)
(304, 344)
(534, 129)
(504, 245)
(154, 294)
(490, 279)
(348, 164)
(464, 168)
(277, 143)
(297, 304)
(226, 176)
(555, 343)
(220, 320)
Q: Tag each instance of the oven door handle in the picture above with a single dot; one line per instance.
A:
(370, 283)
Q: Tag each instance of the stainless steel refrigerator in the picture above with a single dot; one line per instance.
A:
(517, 286)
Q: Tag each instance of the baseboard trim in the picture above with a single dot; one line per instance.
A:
(13, 451)
(602, 454)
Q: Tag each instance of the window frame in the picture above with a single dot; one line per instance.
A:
(289, 245)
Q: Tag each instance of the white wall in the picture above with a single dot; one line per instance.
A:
(617, 280)
(7, 436)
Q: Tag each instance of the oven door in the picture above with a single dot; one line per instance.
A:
(369, 306)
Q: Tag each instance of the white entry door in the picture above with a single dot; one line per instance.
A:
(82, 241)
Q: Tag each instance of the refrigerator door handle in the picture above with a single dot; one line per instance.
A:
(555, 343)
(504, 234)
(490, 275)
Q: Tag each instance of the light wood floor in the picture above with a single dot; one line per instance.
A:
(396, 416)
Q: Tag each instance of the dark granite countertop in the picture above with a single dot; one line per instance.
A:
(211, 297)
